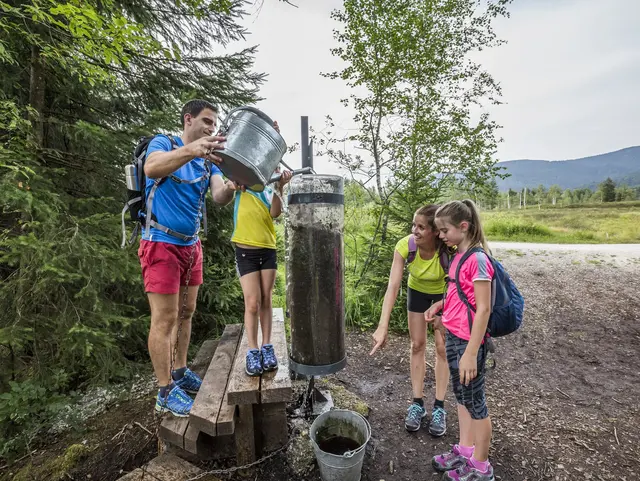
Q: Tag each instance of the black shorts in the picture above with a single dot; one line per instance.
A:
(471, 396)
(419, 301)
(252, 260)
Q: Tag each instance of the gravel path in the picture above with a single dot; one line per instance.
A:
(616, 249)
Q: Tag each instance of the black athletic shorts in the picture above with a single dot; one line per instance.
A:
(471, 396)
(419, 301)
(252, 260)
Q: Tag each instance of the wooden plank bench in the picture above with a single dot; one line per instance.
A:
(210, 417)
(261, 400)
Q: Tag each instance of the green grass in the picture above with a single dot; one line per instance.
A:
(609, 223)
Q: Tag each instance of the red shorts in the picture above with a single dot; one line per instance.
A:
(165, 266)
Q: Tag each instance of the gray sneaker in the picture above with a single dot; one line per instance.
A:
(415, 413)
(469, 473)
(438, 424)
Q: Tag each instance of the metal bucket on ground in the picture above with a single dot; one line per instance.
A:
(253, 148)
(339, 440)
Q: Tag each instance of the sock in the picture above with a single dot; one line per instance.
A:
(466, 451)
(418, 400)
(439, 404)
(164, 390)
(178, 373)
(480, 465)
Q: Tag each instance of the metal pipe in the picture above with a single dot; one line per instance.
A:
(277, 177)
(304, 140)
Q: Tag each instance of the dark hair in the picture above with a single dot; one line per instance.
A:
(429, 212)
(465, 211)
(194, 107)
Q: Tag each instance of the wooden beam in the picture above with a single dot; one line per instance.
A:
(243, 389)
(173, 428)
(205, 410)
(276, 385)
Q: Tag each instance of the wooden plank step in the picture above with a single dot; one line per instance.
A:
(275, 386)
(209, 401)
(166, 467)
(173, 428)
(271, 387)
(243, 389)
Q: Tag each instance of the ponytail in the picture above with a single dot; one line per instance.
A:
(465, 211)
(475, 228)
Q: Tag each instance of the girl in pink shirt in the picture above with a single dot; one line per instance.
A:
(459, 225)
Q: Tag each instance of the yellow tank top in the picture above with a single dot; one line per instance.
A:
(252, 222)
(425, 275)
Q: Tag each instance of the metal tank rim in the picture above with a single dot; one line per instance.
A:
(310, 370)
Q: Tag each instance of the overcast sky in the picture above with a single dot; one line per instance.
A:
(569, 74)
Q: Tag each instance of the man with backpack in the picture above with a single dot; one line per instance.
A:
(178, 171)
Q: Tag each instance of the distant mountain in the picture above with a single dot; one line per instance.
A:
(623, 166)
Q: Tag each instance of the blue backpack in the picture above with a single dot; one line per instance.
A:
(507, 304)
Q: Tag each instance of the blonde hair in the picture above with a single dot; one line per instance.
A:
(459, 211)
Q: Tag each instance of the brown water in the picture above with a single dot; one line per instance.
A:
(338, 445)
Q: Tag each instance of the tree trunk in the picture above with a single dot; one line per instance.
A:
(36, 94)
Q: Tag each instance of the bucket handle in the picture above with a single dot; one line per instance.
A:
(350, 454)
(259, 113)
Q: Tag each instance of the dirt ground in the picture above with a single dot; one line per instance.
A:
(564, 397)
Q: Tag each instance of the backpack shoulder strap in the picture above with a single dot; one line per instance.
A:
(445, 260)
(412, 250)
(461, 294)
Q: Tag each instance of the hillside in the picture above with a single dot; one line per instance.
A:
(623, 166)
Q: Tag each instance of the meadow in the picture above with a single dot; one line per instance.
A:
(603, 223)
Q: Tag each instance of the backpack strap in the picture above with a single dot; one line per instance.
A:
(412, 250)
(127, 207)
(461, 294)
(445, 261)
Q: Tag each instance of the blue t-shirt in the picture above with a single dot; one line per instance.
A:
(175, 205)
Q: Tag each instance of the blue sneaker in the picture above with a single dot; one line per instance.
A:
(253, 366)
(177, 402)
(269, 360)
(438, 424)
(190, 382)
(415, 413)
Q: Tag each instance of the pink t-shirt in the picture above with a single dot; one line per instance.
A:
(454, 315)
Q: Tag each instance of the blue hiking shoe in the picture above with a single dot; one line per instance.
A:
(177, 402)
(269, 360)
(190, 382)
(438, 424)
(415, 413)
(253, 366)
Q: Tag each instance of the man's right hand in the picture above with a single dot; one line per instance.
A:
(205, 146)
(379, 338)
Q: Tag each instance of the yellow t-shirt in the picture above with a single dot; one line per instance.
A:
(425, 275)
(252, 222)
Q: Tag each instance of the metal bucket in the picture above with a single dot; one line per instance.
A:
(340, 423)
(253, 148)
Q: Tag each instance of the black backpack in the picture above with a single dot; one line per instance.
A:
(139, 206)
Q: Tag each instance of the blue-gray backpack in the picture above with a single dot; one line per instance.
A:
(507, 304)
